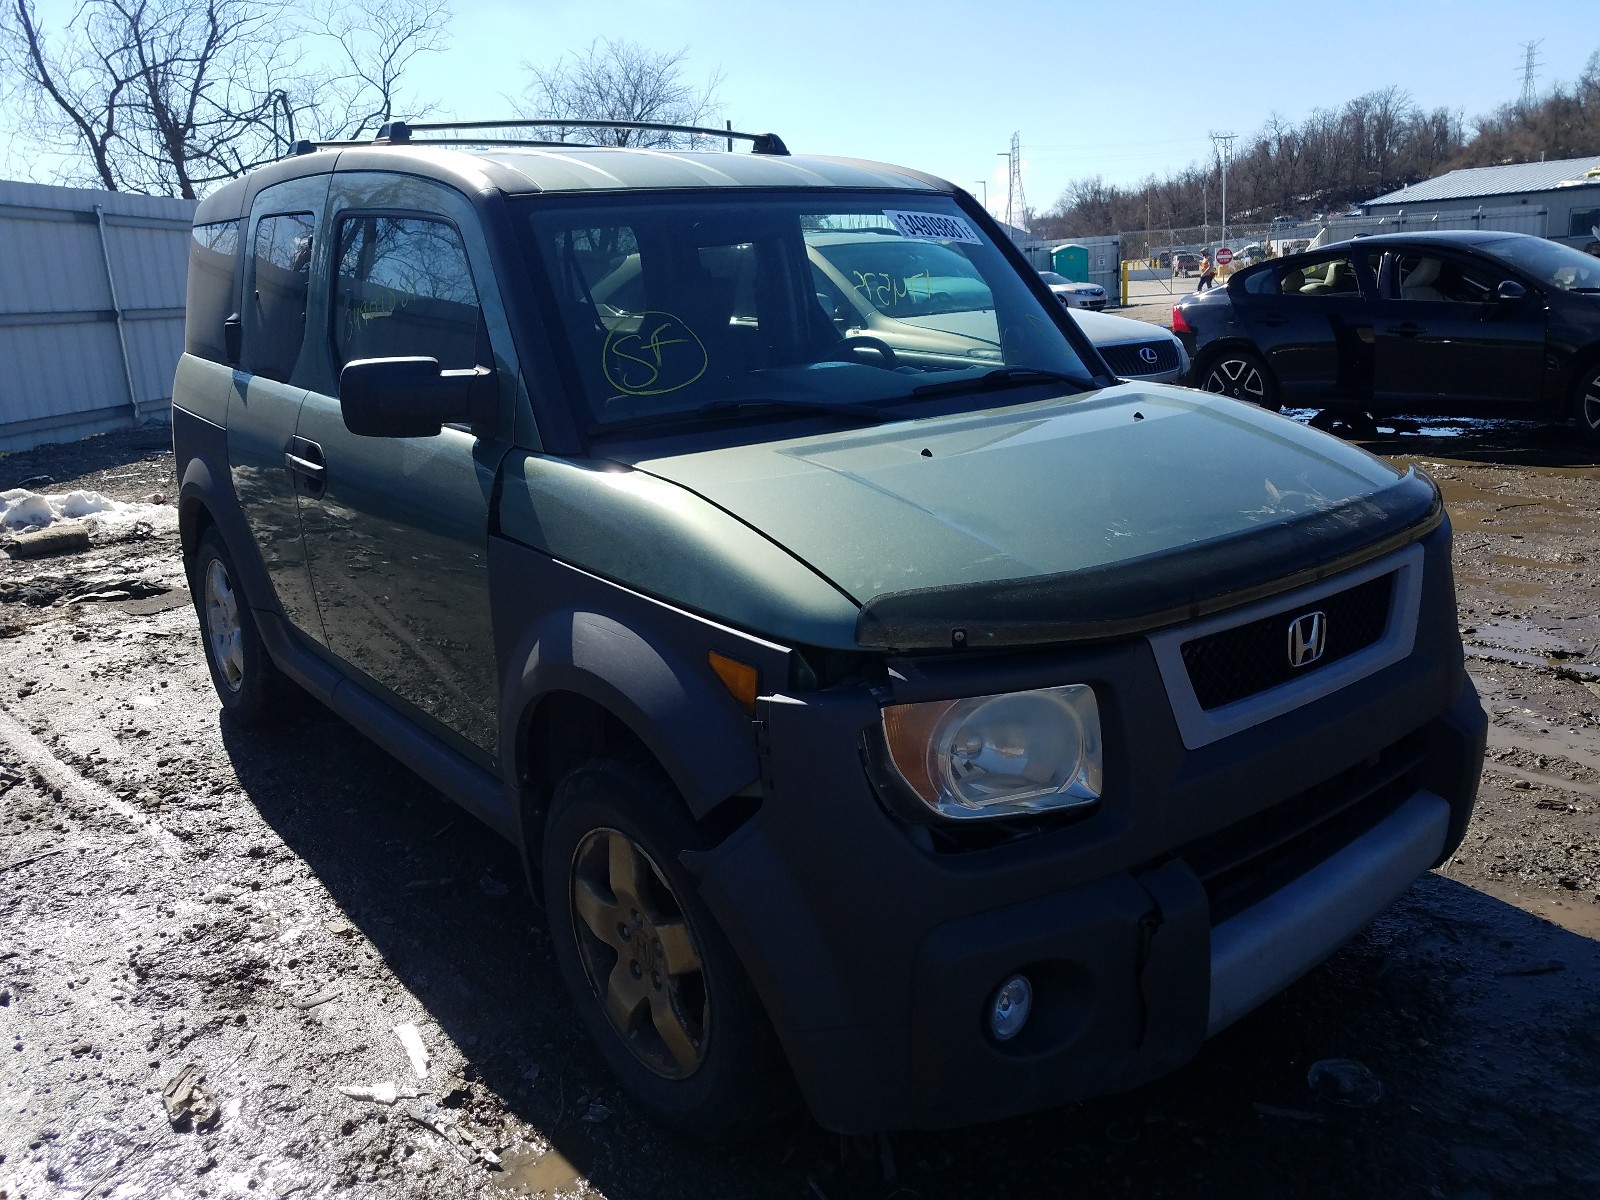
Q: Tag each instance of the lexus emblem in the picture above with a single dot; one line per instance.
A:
(1308, 638)
(1148, 354)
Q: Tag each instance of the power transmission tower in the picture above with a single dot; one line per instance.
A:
(1016, 203)
(1530, 65)
(1224, 145)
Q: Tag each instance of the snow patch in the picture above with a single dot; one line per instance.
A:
(24, 510)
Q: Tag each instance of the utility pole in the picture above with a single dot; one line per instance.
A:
(1205, 214)
(1530, 63)
(984, 184)
(1224, 145)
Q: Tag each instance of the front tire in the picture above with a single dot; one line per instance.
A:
(248, 682)
(1242, 375)
(656, 983)
(1586, 404)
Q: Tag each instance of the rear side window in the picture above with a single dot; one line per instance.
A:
(277, 324)
(1330, 277)
(213, 251)
(404, 289)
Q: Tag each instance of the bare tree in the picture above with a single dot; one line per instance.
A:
(621, 81)
(377, 41)
(172, 96)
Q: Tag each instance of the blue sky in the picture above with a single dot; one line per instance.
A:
(941, 85)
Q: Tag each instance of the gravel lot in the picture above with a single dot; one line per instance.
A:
(269, 907)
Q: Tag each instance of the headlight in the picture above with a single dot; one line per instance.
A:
(998, 756)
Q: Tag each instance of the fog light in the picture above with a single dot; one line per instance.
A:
(1009, 1011)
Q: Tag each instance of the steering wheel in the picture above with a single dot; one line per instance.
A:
(861, 341)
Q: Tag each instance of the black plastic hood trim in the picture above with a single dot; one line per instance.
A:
(1154, 591)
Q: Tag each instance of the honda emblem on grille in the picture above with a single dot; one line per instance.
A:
(1148, 354)
(1308, 638)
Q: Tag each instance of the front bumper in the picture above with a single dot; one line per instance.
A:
(1211, 880)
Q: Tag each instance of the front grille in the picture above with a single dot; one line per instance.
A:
(1235, 663)
(1126, 359)
(1249, 860)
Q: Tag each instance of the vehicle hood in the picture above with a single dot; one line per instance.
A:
(1106, 329)
(1061, 518)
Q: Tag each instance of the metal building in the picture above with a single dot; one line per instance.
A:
(91, 310)
(1558, 200)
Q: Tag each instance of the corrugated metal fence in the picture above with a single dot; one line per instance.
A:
(91, 310)
(1523, 218)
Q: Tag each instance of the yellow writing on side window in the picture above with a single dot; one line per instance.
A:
(661, 355)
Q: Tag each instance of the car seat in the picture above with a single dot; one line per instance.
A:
(1417, 283)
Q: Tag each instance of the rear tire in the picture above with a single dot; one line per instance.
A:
(248, 682)
(1241, 375)
(1586, 404)
(656, 983)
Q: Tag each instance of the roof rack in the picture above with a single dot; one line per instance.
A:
(397, 133)
(305, 146)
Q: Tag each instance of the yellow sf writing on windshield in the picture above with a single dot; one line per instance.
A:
(661, 355)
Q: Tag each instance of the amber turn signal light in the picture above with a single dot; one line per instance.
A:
(741, 680)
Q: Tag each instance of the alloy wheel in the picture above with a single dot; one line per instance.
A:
(224, 631)
(1589, 407)
(1237, 377)
(639, 954)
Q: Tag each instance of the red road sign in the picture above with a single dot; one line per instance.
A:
(1224, 257)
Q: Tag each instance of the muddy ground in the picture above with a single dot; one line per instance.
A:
(269, 907)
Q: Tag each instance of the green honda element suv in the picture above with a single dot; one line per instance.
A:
(919, 720)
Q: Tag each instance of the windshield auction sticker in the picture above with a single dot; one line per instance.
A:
(932, 225)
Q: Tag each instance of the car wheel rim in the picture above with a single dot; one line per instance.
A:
(1589, 410)
(224, 633)
(1239, 378)
(640, 956)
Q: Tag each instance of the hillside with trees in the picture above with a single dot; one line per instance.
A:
(1333, 159)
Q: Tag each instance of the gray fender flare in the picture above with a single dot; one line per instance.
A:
(202, 488)
(665, 694)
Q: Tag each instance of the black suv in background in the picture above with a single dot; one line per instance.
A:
(1454, 323)
(938, 724)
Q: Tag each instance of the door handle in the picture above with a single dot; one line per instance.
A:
(1406, 330)
(306, 466)
(1274, 319)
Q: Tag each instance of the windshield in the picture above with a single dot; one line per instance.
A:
(1551, 263)
(731, 305)
(1052, 278)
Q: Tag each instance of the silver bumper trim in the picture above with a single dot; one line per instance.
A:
(1257, 953)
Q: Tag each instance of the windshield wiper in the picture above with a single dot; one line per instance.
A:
(1585, 291)
(1003, 377)
(722, 409)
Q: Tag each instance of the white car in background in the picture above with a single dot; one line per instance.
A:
(1075, 295)
(1134, 349)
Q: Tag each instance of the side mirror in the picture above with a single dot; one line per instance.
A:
(233, 339)
(1509, 292)
(405, 397)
